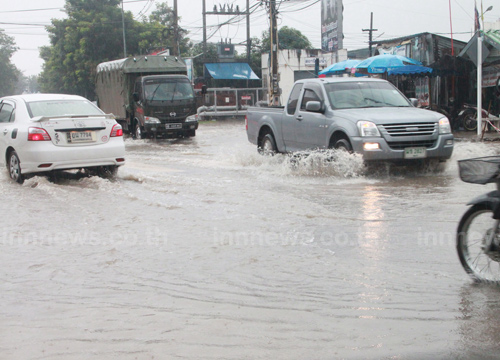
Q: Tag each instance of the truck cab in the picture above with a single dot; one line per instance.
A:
(161, 106)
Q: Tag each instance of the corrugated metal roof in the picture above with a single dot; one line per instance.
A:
(492, 37)
(145, 64)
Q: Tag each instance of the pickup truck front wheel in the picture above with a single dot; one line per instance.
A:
(343, 144)
(267, 145)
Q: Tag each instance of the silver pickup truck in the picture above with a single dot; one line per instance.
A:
(367, 116)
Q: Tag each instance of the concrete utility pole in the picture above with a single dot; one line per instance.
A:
(124, 40)
(273, 88)
(249, 41)
(204, 11)
(370, 30)
(176, 31)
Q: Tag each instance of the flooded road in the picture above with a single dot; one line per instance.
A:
(203, 249)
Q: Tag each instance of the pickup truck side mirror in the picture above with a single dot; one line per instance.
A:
(414, 102)
(314, 106)
(136, 97)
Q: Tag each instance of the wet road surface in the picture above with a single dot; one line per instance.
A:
(203, 249)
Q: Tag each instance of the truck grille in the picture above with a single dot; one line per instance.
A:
(175, 114)
(404, 130)
(400, 145)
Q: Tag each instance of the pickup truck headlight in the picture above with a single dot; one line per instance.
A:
(367, 128)
(192, 118)
(444, 126)
(151, 120)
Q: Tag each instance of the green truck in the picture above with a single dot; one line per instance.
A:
(150, 96)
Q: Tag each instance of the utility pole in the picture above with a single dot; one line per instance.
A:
(229, 10)
(124, 40)
(204, 11)
(273, 88)
(176, 31)
(370, 31)
(249, 41)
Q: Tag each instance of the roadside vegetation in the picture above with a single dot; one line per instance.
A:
(92, 33)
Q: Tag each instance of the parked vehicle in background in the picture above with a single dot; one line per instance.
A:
(43, 133)
(367, 116)
(467, 117)
(151, 96)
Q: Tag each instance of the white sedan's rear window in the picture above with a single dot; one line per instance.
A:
(62, 108)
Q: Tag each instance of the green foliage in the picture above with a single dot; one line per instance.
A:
(28, 84)
(8, 72)
(196, 52)
(255, 56)
(92, 33)
(288, 38)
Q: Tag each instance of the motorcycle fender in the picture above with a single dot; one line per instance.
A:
(491, 197)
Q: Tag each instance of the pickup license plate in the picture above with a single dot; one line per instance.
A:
(173, 126)
(415, 153)
(81, 137)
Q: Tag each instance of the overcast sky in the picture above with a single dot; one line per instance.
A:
(25, 20)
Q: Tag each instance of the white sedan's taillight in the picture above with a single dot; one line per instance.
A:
(116, 131)
(37, 134)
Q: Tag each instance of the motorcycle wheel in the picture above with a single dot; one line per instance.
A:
(475, 225)
(470, 119)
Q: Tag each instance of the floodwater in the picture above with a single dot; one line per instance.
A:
(203, 249)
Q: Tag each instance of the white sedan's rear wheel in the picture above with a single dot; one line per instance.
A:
(14, 167)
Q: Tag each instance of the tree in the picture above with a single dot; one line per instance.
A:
(8, 71)
(164, 15)
(28, 84)
(200, 58)
(255, 56)
(92, 33)
(288, 38)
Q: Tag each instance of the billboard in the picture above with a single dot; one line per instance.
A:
(331, 25)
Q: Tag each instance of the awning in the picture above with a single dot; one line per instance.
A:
(409, 69)
(231, 71)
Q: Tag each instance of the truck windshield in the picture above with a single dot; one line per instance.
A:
(168, 89)
(363, 94)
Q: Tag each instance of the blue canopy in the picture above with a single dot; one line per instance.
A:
(231, 71)
(409, 69)
(340, 67)
(380, 64)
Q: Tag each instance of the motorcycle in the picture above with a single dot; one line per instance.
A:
(478, 232)
(467, 117)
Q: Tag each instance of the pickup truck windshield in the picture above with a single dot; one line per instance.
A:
(350, 95)
(171, 89)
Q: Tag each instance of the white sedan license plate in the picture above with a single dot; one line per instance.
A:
(415, 153)
(173, 126)
(81, 136)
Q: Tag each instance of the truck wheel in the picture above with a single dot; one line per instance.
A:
(267, 145)
(343, 144)
(138, 135)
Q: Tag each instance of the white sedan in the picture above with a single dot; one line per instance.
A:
(42, 133)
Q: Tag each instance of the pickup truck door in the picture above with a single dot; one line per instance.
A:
(310, 127)
(289, 121)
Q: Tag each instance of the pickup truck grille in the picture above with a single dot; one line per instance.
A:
(400, 145)
(404, 130)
